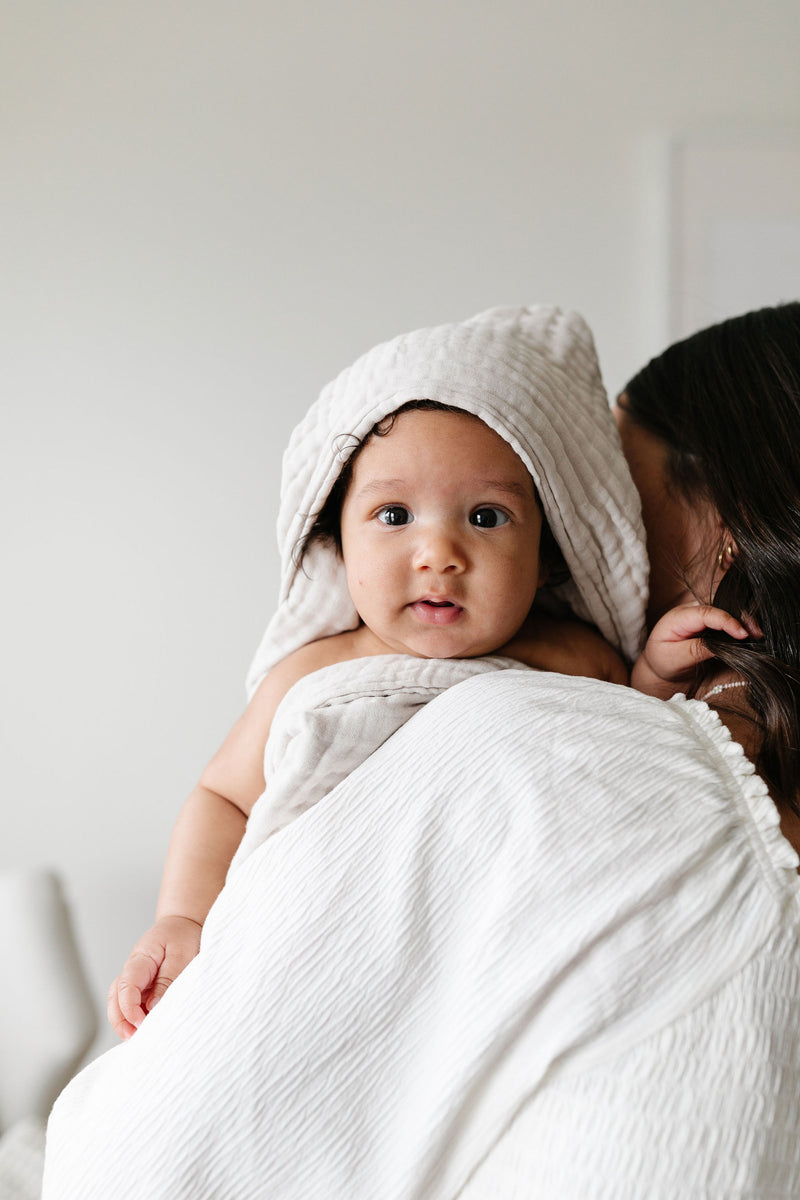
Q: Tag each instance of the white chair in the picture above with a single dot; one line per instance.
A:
(47, 1019)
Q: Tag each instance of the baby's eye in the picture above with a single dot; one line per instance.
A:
(488, 518)
(394, 514)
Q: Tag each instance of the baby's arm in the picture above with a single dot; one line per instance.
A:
(568, 647)
(205, 837)
(674, 649)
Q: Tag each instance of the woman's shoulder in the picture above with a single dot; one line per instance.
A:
(736, 738)
(627, 839)
(638, 775)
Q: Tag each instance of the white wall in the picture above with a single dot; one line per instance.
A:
(207, 210)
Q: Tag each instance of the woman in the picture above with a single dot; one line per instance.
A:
(710, 430)
(544, 942)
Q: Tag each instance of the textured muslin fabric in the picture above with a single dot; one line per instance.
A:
(333, 719)
(543, 942)
(532, 375)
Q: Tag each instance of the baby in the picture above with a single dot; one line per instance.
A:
(428, 537)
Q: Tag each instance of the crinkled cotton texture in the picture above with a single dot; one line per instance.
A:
(543, 944)
(532, 375)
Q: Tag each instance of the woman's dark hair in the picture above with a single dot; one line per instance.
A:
(327, 524)
(726, 401)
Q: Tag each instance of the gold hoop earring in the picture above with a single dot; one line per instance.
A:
(726, 551)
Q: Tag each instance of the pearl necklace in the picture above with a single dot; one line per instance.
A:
(721, 687)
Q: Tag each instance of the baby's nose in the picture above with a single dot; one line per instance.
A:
(440, 550)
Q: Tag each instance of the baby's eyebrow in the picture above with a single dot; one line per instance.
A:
(505, 485)
(378, 486)
(510, 486)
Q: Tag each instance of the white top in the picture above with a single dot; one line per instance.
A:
(705, 1107)
(544, 942)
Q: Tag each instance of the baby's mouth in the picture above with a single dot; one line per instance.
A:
(436, 612)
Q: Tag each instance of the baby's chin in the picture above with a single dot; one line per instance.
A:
(445, 648)
(436, 631)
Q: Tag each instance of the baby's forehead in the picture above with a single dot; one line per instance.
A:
(453, 439)
(425, 423)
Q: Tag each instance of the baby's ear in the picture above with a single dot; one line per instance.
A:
(553, 569)
(544, 573)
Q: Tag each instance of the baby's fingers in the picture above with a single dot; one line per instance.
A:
(692, 620)
(120, 1024)
(180, 949)
(169, 972)
(133, 985)
(724, 622)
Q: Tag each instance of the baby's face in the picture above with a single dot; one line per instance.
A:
(440, 537)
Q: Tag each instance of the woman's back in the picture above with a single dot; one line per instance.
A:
(706, 1107)
(560, 965)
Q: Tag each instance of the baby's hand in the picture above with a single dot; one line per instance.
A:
(674, 649)
(155, 962)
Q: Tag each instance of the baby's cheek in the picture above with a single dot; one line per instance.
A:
(357, 586)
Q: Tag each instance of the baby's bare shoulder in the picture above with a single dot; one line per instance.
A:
(341, 647)
(325, 652)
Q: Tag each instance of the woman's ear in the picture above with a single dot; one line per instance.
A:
(728, 551)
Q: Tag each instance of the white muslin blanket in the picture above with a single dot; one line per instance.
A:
(333, 720)
(425, 986)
